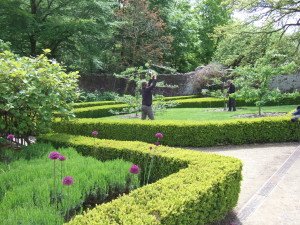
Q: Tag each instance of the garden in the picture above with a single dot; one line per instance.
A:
(70, 155)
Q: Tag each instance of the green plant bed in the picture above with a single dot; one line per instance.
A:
(29, 195)
(188, 187)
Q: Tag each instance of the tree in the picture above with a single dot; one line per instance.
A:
(212, 13)
(274, 16)
(254, 81)
(31, 90)
(243, 45)
(77, 32)
(141, 37)
(183, 26)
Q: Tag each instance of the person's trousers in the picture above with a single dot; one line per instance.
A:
(231, 104)
(147, 111)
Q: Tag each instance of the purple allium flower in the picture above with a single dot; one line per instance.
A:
(53, 155)
(150, 148)
(68, 180)
(95, 133)
(134, 169)
(61, 158)
(157, 143)
(10, 137)
(159, 135)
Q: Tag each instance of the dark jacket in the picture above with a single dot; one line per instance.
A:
(147, 93)
(231, 88)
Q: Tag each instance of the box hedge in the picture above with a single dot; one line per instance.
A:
(188, 133)
(188, 187)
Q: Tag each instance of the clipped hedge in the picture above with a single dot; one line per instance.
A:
(197, 187)
(188, 133)
(97, 111)
(218, 102)
(91, 104)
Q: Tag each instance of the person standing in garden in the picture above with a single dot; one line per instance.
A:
(147, 97)
(231, 102)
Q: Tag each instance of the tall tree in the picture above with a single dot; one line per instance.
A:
(212, 13)
(68, 28)
(274, 16)
(141, 36)
(183, 27)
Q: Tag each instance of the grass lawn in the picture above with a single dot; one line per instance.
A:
(206, 114)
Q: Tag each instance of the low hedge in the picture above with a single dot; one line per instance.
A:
(218, 102)
(91, 104)
(197, 187)
(97, 111)
(188, 133)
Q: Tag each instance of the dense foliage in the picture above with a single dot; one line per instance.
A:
(31, 90)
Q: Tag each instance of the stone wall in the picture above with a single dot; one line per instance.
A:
(106, 82)
(287, 83)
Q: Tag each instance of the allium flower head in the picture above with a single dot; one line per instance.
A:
(61, 158)
(10, 137)
(150, 148)
(67, 180)
(159, 135)
(134, 169)
(53, 155)
(95, 133)
(157, 143)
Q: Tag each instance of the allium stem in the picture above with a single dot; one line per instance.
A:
(150, 167)
(54, 191)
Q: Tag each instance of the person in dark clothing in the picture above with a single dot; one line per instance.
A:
(296, 114)
(231, 102)
(147, 97)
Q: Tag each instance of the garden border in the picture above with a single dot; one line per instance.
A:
(204, 188)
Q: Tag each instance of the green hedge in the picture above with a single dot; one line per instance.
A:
(97, 111)
(188, 133)
(91, 104)
(217, 102)
(197, 187)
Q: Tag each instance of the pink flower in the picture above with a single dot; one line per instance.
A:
(68, 180)
(150, 148)
(232, 223)
(95, 133)
(10, 137)
(61, 158)
(53, 155)
(159, 135)
(134, 169)
(157, 143)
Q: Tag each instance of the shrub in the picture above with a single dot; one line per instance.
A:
(188, 133)
(193, 187)
(31, 89)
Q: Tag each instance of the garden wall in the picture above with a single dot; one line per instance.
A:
(107, 82)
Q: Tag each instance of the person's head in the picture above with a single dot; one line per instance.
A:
(144, 84)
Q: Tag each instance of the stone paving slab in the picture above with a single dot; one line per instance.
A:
(259, 194)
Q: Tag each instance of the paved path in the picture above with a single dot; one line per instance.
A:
(270, 190)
